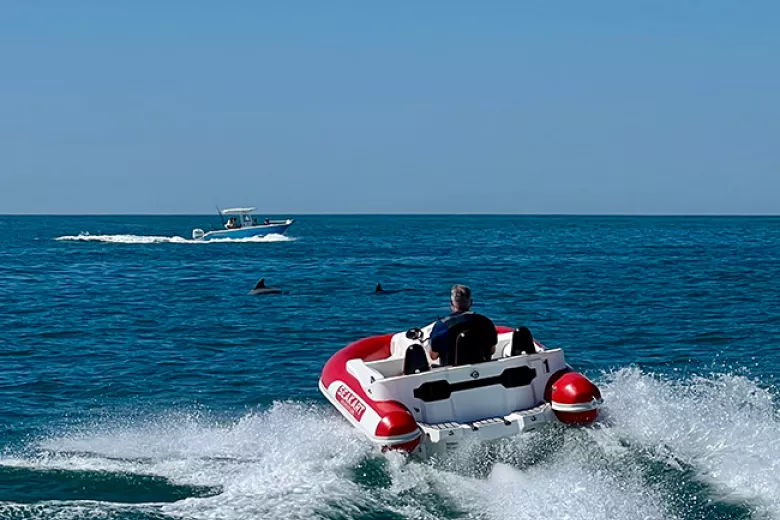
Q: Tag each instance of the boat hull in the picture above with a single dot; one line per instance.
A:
(386, 423)
(437, 411)
(247, 232)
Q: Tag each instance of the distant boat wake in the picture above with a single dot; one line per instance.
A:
(149, 239)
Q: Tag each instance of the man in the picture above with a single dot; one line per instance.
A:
(445, 331)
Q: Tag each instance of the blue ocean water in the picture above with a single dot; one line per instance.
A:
(140, 380)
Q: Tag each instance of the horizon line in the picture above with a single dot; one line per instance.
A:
(380, 214)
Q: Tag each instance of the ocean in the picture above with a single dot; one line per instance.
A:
(140, 380)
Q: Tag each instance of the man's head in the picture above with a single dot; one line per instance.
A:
(460, 298)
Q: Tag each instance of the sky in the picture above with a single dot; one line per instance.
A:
(390, 107)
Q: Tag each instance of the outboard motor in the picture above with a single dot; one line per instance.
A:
(197, 234)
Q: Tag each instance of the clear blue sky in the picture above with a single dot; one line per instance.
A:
(466, 107)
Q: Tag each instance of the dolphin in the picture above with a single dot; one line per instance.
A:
(260, 288)
(380, 290)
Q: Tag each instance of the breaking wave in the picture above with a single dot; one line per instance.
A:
(704, 447)
(150, 239)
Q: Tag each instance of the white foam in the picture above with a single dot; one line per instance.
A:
(70, 510)
(570, 483)
(725, 426)
(150, 239)
(289, 462)
(299, 461)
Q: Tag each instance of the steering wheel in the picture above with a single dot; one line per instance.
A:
(414, 334)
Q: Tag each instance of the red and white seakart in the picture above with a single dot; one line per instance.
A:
(389, 389)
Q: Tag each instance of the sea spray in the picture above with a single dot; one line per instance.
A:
(293, 460)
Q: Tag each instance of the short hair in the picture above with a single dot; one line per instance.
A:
(460, 296)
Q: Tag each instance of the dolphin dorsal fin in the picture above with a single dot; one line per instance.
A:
(260, 284)
(379, 287)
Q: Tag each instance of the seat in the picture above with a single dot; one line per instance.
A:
(416, 360)
(522, 342)
(475, 343)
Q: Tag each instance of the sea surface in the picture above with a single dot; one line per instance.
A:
(139, 380)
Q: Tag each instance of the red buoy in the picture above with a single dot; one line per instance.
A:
(574, 399)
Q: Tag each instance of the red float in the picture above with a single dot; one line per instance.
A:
(574, 399)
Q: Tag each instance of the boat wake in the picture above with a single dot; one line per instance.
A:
(682, 449)
(148, 239)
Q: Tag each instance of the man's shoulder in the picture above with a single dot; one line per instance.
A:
(454, 319)
(445, 322)
(459, 317)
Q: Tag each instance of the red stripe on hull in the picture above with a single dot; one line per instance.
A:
(396, 418)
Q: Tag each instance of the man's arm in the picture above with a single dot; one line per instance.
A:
(436, 335)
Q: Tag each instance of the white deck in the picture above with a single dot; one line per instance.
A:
(383, 381)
